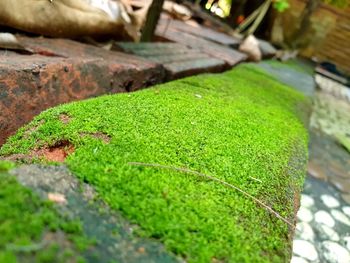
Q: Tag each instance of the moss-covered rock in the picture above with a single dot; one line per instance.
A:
(31, 230)
(242, 127)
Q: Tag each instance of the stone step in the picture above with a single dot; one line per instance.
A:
(200, 31)
(178, 60)
(61, 71)
(229, 55)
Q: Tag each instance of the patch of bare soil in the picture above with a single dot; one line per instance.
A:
(56, 153)
(64, 118)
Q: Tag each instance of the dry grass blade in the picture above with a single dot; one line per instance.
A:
(185, 170)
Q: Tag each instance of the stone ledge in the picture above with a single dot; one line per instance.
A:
(62, 71)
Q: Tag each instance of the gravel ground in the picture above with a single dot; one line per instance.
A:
(324, 215)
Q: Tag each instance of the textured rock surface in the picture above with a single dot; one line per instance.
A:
(113, 235)
(61, 71)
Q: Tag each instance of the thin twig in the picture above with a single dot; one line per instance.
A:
(255, 179)
(185, 170)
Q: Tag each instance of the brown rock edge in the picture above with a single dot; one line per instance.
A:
(61, 71)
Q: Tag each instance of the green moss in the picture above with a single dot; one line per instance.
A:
(6, 165)
(25, 220)
(236, 126)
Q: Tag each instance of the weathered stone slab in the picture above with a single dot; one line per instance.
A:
(178, 60)
(229, 55)
(200, 31)
(62, 71)
(267, 49)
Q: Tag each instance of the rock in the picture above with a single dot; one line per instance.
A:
(305, 249)
(330, 201)
(305, 231)
(315, 171)
(57, 198)
(338, 170)
(9, 41)
(181, 12)
(346, 210)
(325, 218)
(347, 242)
(335, 253)
(58, 184)
(306, 201)
(346, 198)
(304, 215)
(250, 46)
(267, 49)
(341, 184)
(285, 55)
(298, 260)
(327, 233)
(86, 66)
(339, 216)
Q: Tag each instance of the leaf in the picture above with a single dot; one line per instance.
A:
(281, 5)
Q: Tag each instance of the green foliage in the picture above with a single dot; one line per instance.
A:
(281, 5)
(225, 5)
(236, 126)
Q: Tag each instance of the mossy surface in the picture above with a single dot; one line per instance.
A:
(238, 126)
(29, 225)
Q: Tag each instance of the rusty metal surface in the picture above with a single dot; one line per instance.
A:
(64, 71)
